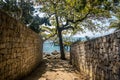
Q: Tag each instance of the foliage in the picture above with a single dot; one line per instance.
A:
(87, 38)
(37, 22)
(77, 14)
(20, 10)
(23, 10)
(116, 23)
(48, 33)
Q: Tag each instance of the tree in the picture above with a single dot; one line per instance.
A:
(72, 14)
(64, 14)
(23, 11)
(20, 10)
(116, 23)
(37, 22)
(48, 33)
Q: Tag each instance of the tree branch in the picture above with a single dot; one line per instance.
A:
(49, 37)
(68, 27)
(79, 20)
(49, 15)
(66, 23)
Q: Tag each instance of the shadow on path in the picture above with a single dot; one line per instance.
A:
(37, 73)
(55, 69)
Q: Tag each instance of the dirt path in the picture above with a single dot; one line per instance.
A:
(55, 69)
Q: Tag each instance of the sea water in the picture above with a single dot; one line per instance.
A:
(49, 47)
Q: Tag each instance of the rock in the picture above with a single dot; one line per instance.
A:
(55, 53)
(59, 79)
(47, 55)
(42, 79)
(76, 78)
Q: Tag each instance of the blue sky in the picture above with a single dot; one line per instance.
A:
(102, 32)
(94, 34)
(87, 32)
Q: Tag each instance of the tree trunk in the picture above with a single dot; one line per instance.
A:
(60, 39)
(61, 45)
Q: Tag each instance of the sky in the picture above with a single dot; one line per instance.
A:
(102, 32)
(87, 32)
(94, 34)
(105, 23)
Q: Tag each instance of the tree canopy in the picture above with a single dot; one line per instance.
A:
(116, 23)
(77, 14)
(64, 15)
(23, 10)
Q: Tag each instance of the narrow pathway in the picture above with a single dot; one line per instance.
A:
(55, 69)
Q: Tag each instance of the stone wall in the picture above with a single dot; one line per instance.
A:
(20, 49)
(99, 58)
